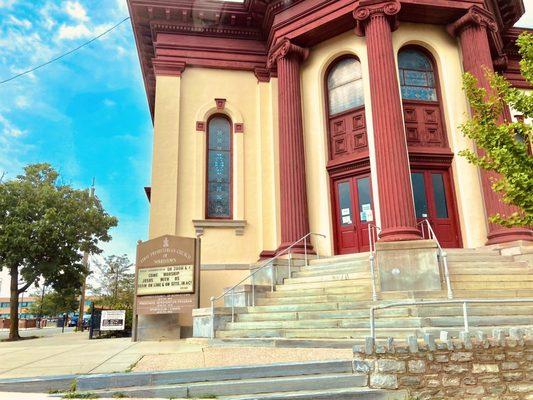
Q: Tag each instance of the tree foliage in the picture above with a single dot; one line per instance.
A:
(55, 303)
(116, 285)
(506, 145)
(44, 228)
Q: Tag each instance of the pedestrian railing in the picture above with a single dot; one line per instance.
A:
(264, 265)
(373, 234)
(428, 233)
(463, 302)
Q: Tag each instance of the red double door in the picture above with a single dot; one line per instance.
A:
(434, 201)
(354, 210)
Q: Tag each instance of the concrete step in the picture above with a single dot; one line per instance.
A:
(362, 282)
(335, 276)
(217, 374)
(489, 285)
(343, 288)
(331, 271)
(290, 298)
(363, 322)
(340, 264)
(492, 278)
(354, 333)
(239, 387)
(490, 271)
(341, 258)
(479, 257)
(316, 315)
(487, 264)
(333, 394)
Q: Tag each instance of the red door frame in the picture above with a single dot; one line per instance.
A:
(453, 214)
(352, 176)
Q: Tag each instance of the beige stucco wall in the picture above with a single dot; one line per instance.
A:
(179, 168)
(178, 180)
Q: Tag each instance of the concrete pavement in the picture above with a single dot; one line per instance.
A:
(73, 353)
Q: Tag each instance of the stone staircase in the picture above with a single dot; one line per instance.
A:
(330, 300)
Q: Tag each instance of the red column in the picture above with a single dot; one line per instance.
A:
(293, 193)
(376, 20)
(471, 30)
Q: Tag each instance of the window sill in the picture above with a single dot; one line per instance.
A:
(201, 224)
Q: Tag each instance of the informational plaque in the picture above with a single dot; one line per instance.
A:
(165, 304)
(166, 280)
(167, 277)
(113, 320)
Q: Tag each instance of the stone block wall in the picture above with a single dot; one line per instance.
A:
(499, 367)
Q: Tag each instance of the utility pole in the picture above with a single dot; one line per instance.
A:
(85, 262)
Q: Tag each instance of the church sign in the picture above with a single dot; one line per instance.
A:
(167, 276)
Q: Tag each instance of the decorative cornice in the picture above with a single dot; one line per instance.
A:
(286, 49)
(168, 67)
(262, 74)
(501, 62)
(368, 9)
(475, 16)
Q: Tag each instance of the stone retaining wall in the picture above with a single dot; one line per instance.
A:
(499, 367)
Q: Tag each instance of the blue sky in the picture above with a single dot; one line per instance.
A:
(87, 114)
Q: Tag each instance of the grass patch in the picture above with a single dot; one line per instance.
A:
(119, 395)
(133, 365)
(76, 395)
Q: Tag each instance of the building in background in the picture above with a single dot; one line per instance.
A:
(25, 304)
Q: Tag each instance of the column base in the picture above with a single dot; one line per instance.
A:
(296, 249)
(505, 235)
(399, 234)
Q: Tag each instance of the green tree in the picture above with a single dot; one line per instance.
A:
(116, 285)
(44, 228)
(506, 145)
(55, 303)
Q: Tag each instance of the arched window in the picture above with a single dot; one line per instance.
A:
(219, 152)
(345, 108)
(417, 77)
(345, 86)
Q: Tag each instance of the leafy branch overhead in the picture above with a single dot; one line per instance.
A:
(506, 145)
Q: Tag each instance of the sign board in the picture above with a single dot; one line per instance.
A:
(166, 280)
(113, 320)
(167, 277)
(165, 304)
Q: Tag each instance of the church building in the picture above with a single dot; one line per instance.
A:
(276, 118)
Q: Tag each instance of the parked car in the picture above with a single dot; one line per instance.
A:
(74, 320)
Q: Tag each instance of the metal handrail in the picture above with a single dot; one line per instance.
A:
(443, 255)
(464, 302)
(251, 276)
(372, 239)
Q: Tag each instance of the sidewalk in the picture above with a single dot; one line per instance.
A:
(73, 353)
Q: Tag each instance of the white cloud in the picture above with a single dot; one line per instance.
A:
(76, 11)
(74, 32)
(22, 102)
(24, 23)
(7, 3)
(9, 130)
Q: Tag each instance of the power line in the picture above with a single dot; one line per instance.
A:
(65, 54)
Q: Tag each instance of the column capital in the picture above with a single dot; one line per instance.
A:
(286, 48)
(168, 67)
(366, 9)
(475, 16)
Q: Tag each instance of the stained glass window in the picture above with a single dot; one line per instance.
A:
(345, 86)
(417, 77)
(219, 168)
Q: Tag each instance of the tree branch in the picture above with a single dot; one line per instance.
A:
(25, 287)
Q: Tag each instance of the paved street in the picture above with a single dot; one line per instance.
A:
(52, 331)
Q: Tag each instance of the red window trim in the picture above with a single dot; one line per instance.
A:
(329, 116)
(436, 77)
(207, 216)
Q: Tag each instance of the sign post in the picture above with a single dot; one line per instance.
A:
(167, 279)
